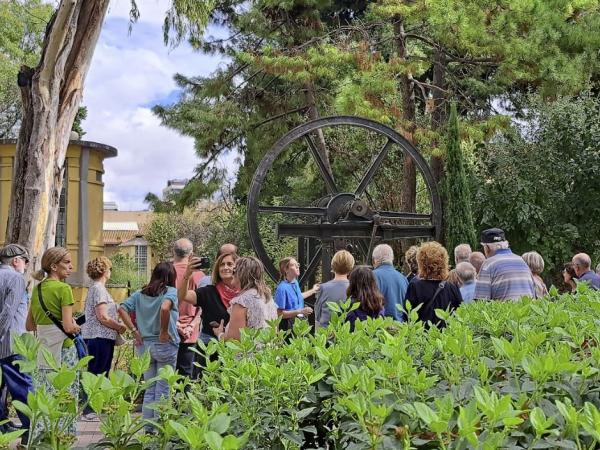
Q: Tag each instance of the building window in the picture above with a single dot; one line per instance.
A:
(61, 223)
(141, 259)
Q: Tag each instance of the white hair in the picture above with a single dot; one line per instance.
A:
(583, 260)
(466, 272)
(462, 253)
(383, 254)
(495, 246)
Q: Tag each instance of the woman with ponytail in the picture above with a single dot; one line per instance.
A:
(55, 296)
(156, 314)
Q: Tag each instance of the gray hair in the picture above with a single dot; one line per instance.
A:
(477, 259)
(383, 254)
(462, 253)
(535, 262)
(466, 272)
(182, 248)
(583, 260)
(495, 246)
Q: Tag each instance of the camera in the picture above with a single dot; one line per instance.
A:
(200, 262)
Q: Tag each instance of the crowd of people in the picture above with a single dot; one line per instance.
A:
(181, 305)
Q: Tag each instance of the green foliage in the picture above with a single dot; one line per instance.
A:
(538, 181)
(23, 23)
(125, 270)
(81, 115)
(457, 205)
(290, 61)
(500, 375)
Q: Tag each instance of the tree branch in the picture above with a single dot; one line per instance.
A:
(252, 127)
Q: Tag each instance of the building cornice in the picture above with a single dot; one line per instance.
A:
(108, 150)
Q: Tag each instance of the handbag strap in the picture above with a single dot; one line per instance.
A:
(50, 316)
(439, 289)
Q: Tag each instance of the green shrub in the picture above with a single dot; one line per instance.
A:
(500, 375)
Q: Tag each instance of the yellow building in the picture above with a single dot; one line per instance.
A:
(80, 217)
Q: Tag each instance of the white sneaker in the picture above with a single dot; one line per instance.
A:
(90, 417)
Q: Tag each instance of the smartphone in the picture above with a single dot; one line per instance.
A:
(200, 262)
(214, 324)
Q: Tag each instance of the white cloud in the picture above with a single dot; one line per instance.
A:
(128, 75)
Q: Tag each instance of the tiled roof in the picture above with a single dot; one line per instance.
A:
(114, 237)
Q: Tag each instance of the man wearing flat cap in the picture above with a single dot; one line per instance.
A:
(13, 314)
(503, 275)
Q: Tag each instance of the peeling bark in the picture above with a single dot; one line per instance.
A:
(51, 94)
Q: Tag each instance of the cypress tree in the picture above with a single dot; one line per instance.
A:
(457, 208)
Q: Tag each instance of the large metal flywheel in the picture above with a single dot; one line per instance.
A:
(352, 168)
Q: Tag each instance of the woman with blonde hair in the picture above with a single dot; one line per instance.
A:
(53, 297)
(334, 290)
(288, 296)
(254, 306)
(431, 290)
(410, 258)
(536, 264)
(101, 326)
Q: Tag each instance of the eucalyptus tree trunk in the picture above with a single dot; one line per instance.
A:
(51, 94)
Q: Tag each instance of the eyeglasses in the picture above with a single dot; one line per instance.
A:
(24, 258)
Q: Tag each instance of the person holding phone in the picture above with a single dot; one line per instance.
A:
(214, 300)
(253, 307)
(288, 296)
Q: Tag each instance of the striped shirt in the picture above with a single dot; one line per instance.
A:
(504, 276)
(12, 296)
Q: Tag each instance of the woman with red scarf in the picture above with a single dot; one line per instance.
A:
(214, 299)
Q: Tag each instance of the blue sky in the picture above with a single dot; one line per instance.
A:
(129, 74)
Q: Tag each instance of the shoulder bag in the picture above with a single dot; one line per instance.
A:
(80, 345)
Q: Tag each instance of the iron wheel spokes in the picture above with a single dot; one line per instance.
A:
(312, 266)
(375, 165)
(325, 173)
(300, 210)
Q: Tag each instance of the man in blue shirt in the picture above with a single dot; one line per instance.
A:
(391, 283)
(582, 264)
(13, 311)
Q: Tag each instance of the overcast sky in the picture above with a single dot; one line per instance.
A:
(129, 74)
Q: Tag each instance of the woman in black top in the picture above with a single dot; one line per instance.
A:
(213, 299)
(430, 289)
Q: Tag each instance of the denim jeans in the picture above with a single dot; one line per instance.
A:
(161, 355)
(19, 384)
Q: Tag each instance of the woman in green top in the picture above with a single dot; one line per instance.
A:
(58, 299)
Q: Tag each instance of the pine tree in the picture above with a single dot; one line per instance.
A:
(458, 214)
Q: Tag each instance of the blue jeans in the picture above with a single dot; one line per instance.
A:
(18, 384)
(161, 355)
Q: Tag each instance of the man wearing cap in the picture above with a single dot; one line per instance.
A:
(503, 275)
(13, 314)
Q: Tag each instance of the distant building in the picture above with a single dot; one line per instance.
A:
(123, 232)
(174, 187)
(110, 206)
